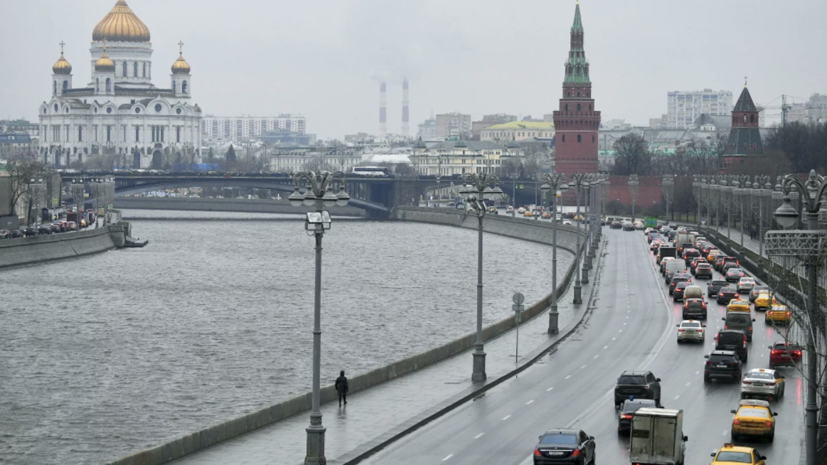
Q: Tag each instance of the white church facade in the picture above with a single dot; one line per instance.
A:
(119, 119)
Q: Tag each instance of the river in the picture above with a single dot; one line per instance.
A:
(109, 354)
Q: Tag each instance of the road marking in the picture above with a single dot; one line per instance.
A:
(613, 339)
(567, 377)
(724, 433)
(448, 457)
(690, 382)
(697, 372)
(506, 417)
(676, 397)
(584, 366)
(596, 356)
(620, 330)
(549, 389)
(529, 402)
(624, 323)
(605, 347)
(478, 436)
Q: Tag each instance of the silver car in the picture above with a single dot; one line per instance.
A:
(762, 382)
(746, 284)
(690, 330)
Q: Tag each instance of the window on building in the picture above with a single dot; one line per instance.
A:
(567, 107)
(184, 87)
(579, 138)
(564, 138)
(144, 71)
(592, 139)
(751, 118)
(124, 69)
(54, 87)
(65, 86)
(137, 133)
(80, 133)
(135, 69)
(108, 85)
(109, 134)
(97, 85)
(178, 134)
(173, 87)
(578, 107)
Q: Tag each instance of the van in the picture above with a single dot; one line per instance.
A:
(739, 322)
(672, 267)
(738, 306)
(693, 292)
(736, 341)
(665, 251)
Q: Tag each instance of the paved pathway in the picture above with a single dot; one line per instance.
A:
(373, 413)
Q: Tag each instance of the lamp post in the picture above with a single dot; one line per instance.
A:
(556, 183)
(579, 180)
(513, 177)
(668, 186)
(634, 184)
(477, 187)
(318, 193)
(807, 246)
(587, 264)
(438, 177)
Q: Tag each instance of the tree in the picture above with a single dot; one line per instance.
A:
(23, 174)
(633, 156)
(230, 155)
(802, 144)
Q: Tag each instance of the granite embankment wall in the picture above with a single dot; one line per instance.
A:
(527, 229)
(223, 205)
(38, 249)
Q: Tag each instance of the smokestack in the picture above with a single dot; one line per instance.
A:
(383, 111)
(405, 107)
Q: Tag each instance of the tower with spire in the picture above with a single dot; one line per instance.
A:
(576, 122)
(744, 137)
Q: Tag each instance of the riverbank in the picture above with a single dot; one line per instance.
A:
(223, 205)
(40, 249)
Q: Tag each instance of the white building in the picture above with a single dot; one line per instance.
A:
(683, 108)
(242, 128)
(453, 125)
(119, 113)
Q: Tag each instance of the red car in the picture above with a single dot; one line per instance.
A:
(783, 353)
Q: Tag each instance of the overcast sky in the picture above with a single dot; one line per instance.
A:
(320, 58)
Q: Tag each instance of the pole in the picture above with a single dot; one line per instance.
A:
(741, 208)
(514, 197)
(577, 287)
(761, 228)
(587, 264)
(479, 354)
(811, 409)
(315, 433)
(552, 314)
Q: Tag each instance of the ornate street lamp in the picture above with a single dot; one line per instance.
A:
(319, 193)
(556, 183)
(477, 188)
(513, 177)
(579, 181)
(668, 187)
(634, 184)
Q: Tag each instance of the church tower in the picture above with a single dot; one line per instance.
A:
(181, 79)
(744, 137)
(576, 123)
(61, 75)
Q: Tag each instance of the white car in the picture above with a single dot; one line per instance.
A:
(509, 209)
(746, 284)
(762, 382)
(568, 222)
(521, 211)
(690, 330)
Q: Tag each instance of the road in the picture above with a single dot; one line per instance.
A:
(632, 326)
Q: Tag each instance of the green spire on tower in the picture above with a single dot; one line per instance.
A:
(578, 24)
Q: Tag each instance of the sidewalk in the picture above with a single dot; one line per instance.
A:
(388, 410)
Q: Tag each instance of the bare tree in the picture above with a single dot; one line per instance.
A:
(23, 174)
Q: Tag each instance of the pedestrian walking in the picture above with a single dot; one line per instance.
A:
(341, 387)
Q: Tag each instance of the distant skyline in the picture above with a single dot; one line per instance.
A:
(324, 58)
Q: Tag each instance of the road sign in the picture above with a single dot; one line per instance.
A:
(651, 222)
(518, 298)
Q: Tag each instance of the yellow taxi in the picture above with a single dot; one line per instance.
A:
(778, 314)
(764, 301)
(712, 254)
(753, 419)
(528, 214)
(546, 215)
(738, 305)
(732, 454)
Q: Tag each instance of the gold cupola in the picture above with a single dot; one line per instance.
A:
(180, 66)
(121, 25)
(62, 66)
(104, 63)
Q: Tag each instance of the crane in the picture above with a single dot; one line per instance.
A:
(785, 108)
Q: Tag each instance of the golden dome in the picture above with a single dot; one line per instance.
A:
(105, 64)
(62, 66)
(121, 25)
(180, 66)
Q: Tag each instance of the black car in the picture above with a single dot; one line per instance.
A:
(55, 228)
(725, 294)
(564, 446)
(628, 227)
(638, 385)
(682, 247)
(29, 231)
(678, 278)
(733, 275)
(677, 292)
(714, 286)
(722, 364)
(740, 321)
(15, 233)
(726, 261)
(616, 225)
(734, 340)
(753, 294)
(627, 411)
(44, 229)
(703, 270)
(694, 309)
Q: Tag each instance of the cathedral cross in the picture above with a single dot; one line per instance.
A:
(61, 46)
(181, 48)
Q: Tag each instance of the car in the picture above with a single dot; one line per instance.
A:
(654, 246)
(729, 454)
(728, 260)
(757, 289)
(663, 263)
(637, 384)
(677, 291)
(725, 294)
(764, 301)
(753, 418)
(509, 209)
(693, 263)
(722, 364)
(690, 330)
(784, 354)
(44, 229)
(739, 321)
(746, 284)
(763, 382)
(707, 249)
(678, 278)
(732, 340)
(72, 226)
(716, 265)
(616, 225)
(733, 275)
(29, 231)
(683, 247)
(493, 210)
(737, 306)
(674, 268)
(546, 216)
(15, 233)
(778, 314)
(714, 286)
(56, 228)
(627, 411)
(703, 270)
(689, 254)
(4, 234)
(520, 211)
(627, 226)
(694, 308)
(567, 222)
(651, 234)
(528, 214)
(568, 446)
(712, 255)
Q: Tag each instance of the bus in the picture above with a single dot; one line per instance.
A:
(373, 171)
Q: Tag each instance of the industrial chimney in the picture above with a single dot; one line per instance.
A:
(383, 111)
(405, 107)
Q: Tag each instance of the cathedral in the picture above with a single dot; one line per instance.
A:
(119, 118)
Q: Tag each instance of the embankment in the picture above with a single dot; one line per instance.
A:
(525, 229)
(222, 205)
(39, 249)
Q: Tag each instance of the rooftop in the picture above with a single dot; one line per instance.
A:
(523, 125)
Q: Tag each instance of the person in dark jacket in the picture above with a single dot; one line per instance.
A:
(341, 387)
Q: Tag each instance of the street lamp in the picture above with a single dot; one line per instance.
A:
(557, 184)
(808, 246)
(668, 186)
(513, 177)
(318, 193)
(477, 188)
(580, 181)
(634, 184)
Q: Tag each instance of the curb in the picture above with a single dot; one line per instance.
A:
(361, 453)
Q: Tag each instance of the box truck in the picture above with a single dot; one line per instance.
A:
(657, 437)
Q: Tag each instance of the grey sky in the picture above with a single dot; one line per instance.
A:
(318, 57)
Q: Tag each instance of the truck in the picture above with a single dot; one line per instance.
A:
(665, 251)
(657, 437)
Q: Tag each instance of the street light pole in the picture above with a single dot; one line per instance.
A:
(477, 187)
(556, 183)
(318, 193)
(514, 176)
(580, 182)
(633, 189)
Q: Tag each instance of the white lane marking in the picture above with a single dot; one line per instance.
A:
(613, 338)
(620, 330)
(605, 347)
(529, 402)
(689, 383)
(506, 417)
(596, 356)
(676, 397)
(549, 389)
(584, 366)
(724, 433)
(448, 457)
(697, 372)
(567, 377)
(478, 436)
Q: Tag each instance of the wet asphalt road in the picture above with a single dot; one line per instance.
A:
(631, 327)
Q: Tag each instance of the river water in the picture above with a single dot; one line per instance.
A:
(106, 355)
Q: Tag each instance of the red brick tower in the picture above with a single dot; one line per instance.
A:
(576, 122)
(744, 137)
